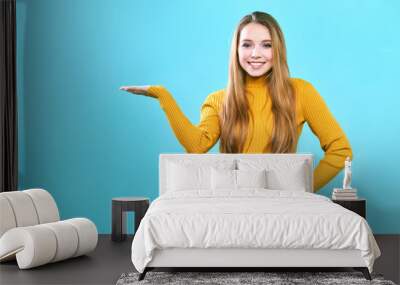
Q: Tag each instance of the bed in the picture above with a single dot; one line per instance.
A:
(247, 210)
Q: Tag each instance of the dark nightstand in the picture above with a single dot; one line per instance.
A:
(358, 206)
(119, 208)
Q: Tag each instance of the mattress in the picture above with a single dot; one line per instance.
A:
(250, 219)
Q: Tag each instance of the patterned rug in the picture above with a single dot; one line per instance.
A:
(270, 278)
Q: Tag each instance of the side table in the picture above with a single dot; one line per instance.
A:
(120, 206)
(358, 206)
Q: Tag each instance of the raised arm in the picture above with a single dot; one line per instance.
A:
(195, 139)
(332, 139)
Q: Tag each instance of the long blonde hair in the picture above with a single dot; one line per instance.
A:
(234, 115)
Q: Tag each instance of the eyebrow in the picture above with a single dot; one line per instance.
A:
(248, 40)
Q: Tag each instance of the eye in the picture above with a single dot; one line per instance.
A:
(267, 45)
(246, 45)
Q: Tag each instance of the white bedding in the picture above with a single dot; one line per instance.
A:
(250, 218)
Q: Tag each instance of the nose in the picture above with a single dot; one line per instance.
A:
(255, 52)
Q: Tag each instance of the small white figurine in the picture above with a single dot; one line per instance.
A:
(347, 174)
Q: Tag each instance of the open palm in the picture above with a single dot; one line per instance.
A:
(142, 90)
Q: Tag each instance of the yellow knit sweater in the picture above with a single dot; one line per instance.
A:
(310, 108)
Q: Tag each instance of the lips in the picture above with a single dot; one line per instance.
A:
(256, 64)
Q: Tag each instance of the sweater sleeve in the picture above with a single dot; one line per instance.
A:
(332, 139)
(195, 139)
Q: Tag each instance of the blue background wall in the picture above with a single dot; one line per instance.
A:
(86, 142)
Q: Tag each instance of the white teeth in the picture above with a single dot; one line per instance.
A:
(256, 64)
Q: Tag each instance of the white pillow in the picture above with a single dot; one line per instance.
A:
(223, 179)
(281, 174)
(237, 179)
(251, 178)
(189, 174)
(288, 179)
(187, 177)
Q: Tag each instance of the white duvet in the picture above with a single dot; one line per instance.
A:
(251, 218)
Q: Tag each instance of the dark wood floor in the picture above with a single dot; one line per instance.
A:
(111, 259)
(102, 266)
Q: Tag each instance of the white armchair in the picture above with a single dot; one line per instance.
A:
(32, 233)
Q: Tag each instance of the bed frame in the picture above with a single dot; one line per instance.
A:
(250, 258)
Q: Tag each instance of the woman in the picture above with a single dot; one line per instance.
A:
(262, 110)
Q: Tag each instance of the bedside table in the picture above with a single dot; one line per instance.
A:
(358, 206)
(120, 206)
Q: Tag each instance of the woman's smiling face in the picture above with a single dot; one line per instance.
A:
(255, 49)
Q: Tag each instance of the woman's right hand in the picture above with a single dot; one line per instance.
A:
(142, 90)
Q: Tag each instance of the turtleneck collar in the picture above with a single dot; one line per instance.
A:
(260, 81)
